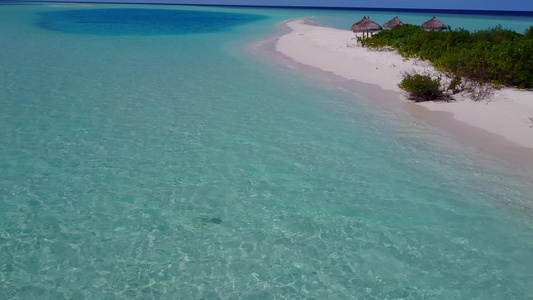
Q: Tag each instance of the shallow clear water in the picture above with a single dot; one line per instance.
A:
(183, 167)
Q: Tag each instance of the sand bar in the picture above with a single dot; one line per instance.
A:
(504, 119)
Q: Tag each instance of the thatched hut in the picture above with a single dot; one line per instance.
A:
(393, 23)
(356, 24)
(434, 24)
(366, 26)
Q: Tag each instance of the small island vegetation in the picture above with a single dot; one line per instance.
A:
(422, 87)
(495, 57)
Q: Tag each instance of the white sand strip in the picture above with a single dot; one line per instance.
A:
(506, 114)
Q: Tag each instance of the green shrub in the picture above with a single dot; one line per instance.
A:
(529, 33)
(486, 56)
(422, 87)
(455, 84)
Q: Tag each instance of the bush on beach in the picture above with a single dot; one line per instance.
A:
(496, 56)
(422, 87)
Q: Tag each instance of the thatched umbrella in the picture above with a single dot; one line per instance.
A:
(393, 23)
(434, 24)
(366, 25)
(357, 23)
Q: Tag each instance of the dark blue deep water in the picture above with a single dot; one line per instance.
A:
(126, 21)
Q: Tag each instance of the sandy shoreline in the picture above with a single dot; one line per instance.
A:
(499, 126)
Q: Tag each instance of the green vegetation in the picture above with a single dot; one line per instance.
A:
(496, 56)
(422, 87)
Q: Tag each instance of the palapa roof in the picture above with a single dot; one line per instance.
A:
(434, 24)
(366, 25)
(393, 23)
(357, 24)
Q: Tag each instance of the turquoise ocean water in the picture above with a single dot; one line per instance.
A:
(149, 154)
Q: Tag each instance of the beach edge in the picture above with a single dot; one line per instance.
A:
(482, 124)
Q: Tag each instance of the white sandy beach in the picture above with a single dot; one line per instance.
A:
(506, 114)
